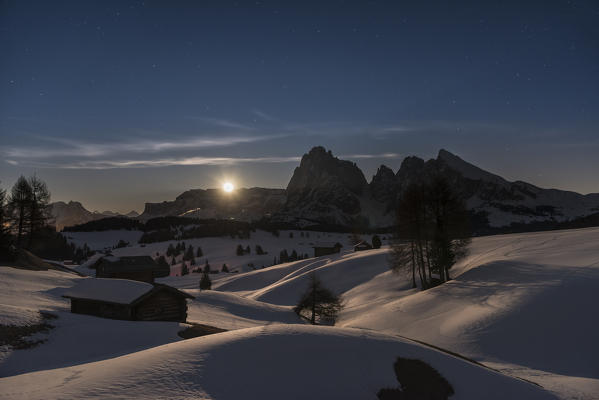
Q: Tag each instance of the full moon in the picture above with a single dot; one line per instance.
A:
(228, 187)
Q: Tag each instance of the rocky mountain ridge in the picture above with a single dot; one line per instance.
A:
(327, 191)
(73, 213)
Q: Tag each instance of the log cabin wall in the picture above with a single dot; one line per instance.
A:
(101, 309)
(162, 306)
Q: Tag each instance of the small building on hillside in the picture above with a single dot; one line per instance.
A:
(362, 246)
(137, 268)
(324, 249)
(128, 300)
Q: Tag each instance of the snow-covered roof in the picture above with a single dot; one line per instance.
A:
(112, 290)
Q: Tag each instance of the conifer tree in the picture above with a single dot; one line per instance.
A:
(239, 251)
(20, 198)
(283, 256)
(205, 282)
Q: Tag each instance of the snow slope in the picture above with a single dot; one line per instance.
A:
(519, 303)
(522, 304)
(276, 362)
(231, 311)
(76, 338)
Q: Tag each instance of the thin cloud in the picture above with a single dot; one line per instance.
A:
(367, 156)
(182, 161)
(263, 115)
(166, 162)
(74, 148)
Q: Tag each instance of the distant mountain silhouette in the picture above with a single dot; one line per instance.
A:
(327, 191)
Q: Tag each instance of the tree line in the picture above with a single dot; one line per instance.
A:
(25, 223)
(432, 232)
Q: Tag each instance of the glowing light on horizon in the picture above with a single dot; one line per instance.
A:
(228, 187)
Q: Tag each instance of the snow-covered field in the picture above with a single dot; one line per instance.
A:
(522, 304)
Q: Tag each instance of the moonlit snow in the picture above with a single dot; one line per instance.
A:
(520, 304)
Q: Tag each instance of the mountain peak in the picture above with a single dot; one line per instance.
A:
(466, 169)
(320, 168)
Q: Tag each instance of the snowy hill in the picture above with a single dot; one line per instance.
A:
(278, 362)
(520, 303)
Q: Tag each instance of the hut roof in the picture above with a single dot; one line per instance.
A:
(127, 263)
(119, 291)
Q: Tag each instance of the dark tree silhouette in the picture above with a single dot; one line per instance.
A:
(205, 282)
(432, 232)
(376, 242)
(20, 198)
(318, 304)
(239, 251)
(283, 256)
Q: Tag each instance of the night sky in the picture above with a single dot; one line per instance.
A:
(117, 103)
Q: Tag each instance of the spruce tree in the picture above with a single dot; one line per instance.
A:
(239, 251)
(199, 253)
(283, 256)
(38, 207)
(20, 199)
(205, 282)
(225, 268)
(170, 251)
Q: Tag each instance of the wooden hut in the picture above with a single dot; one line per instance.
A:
(128, 300)
(324, 249)
(137, 268)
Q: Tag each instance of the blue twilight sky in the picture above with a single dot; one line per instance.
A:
(115, 103)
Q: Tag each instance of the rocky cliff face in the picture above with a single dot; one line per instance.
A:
(325, 189)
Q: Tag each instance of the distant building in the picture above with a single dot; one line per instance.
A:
(128, 300)
(324, 249)
(137, 268)
(362, 246)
